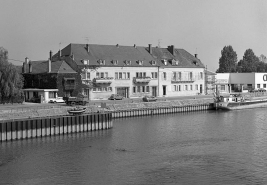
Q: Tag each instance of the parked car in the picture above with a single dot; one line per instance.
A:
(261, 90)
(149, 98)
(57, 100)
(115, 97)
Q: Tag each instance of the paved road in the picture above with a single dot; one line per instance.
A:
(96, 102)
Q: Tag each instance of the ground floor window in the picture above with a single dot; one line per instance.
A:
(264, 85)
(258, 85)
(102, 89)
(52, 94)
(196, 87)
(223, 87)
(134, 90)
(176, 88)
(186, 87)
(139, 89)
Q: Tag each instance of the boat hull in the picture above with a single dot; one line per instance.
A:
(240, 105)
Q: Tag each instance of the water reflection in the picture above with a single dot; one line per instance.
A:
(190, 148)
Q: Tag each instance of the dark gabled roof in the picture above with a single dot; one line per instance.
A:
(56, 67)
(111, 53)
(210, 72)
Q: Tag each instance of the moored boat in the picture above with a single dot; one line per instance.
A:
(77, 110)
(239, 101)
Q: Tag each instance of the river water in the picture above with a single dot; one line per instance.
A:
(185, 148)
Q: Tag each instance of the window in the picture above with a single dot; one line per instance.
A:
(115, 62)
(102, 75)
(186, 87)
(83, 75)
(51, 95)
(222, 87)
(147, 88)
(128, 75)
(153, 62)
(97, 74)
(179, 87)
(85, 62)
(120, 75)
(191, 76)
(134, 90)
(174, 62)
(106, 74)
(109, 88)
(164, 76)
(127, 62)
(101, 62)
(173, 75)
(258, 85)
(88, 75)
(154, 75)
(201, 75)
(165, 62)
(138, 88)
(140, 62)
(264, 85)
(116, 75)
(179, 75)
(196, 87)
(143, 88)
(124, 75)
(191, 87)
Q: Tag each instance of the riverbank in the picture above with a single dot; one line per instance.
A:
(56, 110)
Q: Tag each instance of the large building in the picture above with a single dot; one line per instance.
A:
(134, 71)
(240, 82)
(46, 79)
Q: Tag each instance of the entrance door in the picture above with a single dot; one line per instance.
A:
(164, 90)
(200, 89)
(154, 91)
(123, 91)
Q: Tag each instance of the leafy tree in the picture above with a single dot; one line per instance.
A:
(263, 58)
(228, 60)
(249, 62)
(11, 82)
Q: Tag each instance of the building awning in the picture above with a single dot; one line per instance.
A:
(68, 78)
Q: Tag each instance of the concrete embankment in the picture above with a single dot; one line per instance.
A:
(162, 107)
(31, 123)
(57, 125)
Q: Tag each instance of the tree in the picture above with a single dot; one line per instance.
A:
(249, 62)
(263, 58)
(11, 82)
(228, 60)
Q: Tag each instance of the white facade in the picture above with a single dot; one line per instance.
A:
(230, 82)
(134, 82)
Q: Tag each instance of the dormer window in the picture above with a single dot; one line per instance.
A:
(153, 62)
(175, 62)
(101, 62)
(140, 62)
(165, 62)
(115, 62)
(128, 62)
(195, 62)
(85, 62)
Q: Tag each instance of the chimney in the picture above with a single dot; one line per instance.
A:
(150, 48)
(49, 65)
(72, 56)
(59, 54)
(171, 49)
(24, 67)
(87, 47)
(50, 55)
(195, 55)
(30, 67)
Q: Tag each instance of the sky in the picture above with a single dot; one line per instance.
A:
(31, 28)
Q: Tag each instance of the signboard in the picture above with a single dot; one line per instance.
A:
(221, 81)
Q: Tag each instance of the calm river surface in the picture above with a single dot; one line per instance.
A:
(192, 148)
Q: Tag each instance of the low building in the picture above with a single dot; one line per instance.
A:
(240, 82)
(134, 71)
(210, 78)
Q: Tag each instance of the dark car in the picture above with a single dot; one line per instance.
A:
(149, 98)
(115, 97)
